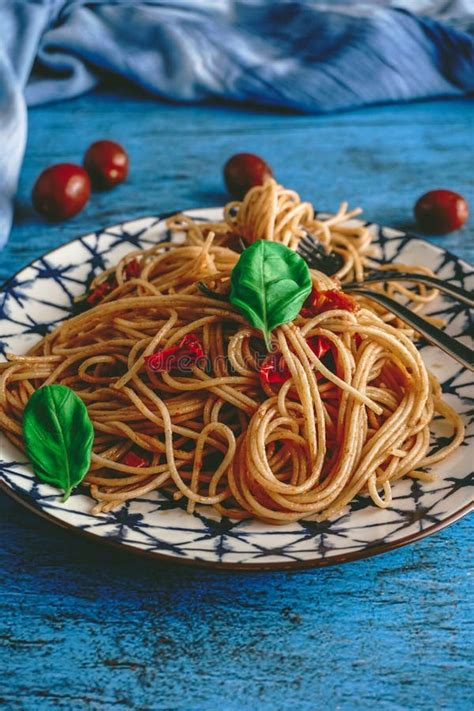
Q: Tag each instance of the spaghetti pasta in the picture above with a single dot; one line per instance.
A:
(207, 428)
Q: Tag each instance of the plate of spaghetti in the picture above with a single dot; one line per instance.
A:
(200, 394)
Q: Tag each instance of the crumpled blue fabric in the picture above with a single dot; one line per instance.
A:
(300, 54)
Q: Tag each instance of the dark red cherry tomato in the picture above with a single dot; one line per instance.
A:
(107, 164)
(441, 211)
(61, 191)
(243, 171)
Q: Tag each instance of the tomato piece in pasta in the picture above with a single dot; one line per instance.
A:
(180, 357)
(132, 459)
(320, 301)
(274, 369)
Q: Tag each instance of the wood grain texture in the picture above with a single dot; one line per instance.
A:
(86, 628)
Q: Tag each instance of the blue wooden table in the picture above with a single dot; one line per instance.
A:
(82, 627)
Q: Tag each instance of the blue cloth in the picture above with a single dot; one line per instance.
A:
(302, 55)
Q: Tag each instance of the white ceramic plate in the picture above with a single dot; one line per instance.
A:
(40, 296)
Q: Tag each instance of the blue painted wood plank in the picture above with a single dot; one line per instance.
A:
(86, 628)
(382, 159)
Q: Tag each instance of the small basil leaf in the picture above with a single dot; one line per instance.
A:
(58, 436)
(269, 284)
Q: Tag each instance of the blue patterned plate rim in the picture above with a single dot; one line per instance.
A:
(227, 547)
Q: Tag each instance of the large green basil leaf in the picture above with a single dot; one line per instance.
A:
(58, 436)
(269, 284)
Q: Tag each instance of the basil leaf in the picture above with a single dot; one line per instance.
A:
(58, 436)
(269, 284)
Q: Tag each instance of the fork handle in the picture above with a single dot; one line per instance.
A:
(434, 335)
(456, 292)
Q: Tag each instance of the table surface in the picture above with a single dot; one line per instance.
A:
(86, 628)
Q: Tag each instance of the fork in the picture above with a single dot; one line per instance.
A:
(318, 258)
(455, 292)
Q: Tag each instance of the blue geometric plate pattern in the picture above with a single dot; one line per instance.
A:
(40, 296)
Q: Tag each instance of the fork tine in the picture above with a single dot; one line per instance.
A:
(434, 335)
(309, 242)
(452, 290)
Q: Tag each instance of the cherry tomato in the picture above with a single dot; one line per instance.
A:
(243, 171)
(61, 191)
(441, 211)
(107, 164)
